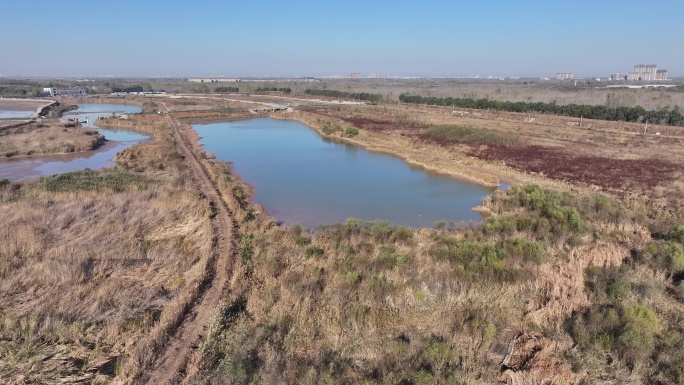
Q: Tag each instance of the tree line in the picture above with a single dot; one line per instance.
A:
(285, 90)
(226, 89)
(667, 116)
(344, 95)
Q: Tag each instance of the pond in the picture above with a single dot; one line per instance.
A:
(117, 141)
(302, 178)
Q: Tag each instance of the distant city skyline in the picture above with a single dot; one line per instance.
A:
(295, 39)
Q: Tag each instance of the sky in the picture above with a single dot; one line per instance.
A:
(428, 38)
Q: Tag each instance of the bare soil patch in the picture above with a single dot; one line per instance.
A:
(22, 104)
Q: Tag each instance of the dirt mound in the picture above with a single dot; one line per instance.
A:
(532, 360)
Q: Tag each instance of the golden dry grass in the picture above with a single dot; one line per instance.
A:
(93, 283)
(89, 277)
(47, 138)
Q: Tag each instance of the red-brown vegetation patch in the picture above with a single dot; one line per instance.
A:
(596, 170)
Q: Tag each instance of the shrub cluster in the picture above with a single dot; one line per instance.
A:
(548, 213)
(469, 135)
(91, 180)
(226, 89)
(285, 90)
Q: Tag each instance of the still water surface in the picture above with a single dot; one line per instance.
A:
(15, 114)
(118, 140)
(302, 178)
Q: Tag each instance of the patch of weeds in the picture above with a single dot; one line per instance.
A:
(90, 180)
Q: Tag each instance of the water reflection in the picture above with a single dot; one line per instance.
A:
(302, 178)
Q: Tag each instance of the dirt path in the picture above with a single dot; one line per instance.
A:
(172, 364)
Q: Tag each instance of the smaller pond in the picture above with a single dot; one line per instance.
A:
(117, 141)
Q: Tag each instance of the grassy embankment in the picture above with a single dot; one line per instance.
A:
(374, 303)
(98, 267)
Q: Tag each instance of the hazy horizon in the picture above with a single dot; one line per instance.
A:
(430, 39)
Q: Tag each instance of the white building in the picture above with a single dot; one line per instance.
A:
(56, 92)
(647, 72)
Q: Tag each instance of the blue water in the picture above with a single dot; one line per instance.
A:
(93, 111)
(302, 178)
(118, 140)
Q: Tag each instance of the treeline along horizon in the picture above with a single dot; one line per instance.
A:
(667, 116)
(346, 95)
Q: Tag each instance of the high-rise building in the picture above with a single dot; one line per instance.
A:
(373, 75)
(661, 75)
(564, 75)
(647, 72)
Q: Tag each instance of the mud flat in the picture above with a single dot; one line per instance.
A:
(22, 108)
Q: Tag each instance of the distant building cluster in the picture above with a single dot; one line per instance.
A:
(223, 79)
(354, 75)
(213, 80)
(564, 75)
(57, 92)
(373, 75)
(642, 72)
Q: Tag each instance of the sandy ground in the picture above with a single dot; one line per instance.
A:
(23, 104)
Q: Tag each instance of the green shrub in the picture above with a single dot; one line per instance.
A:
(247, 250)
(401, 234)
(663, 255)
(352, 277)
(302, 240)
(4, 182)
(677, 233)
(476, 259)
(313, 251)
(351, 132)
(520, 248)
(639, 326)
(388, 257)
(630, 331)
(381, 230)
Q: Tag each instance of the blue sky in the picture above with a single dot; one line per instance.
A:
(312, 38)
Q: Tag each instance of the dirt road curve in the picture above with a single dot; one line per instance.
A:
(172, 364)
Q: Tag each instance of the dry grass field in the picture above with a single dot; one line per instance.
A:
(576, 281)
(36, 138)
(93, 264)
